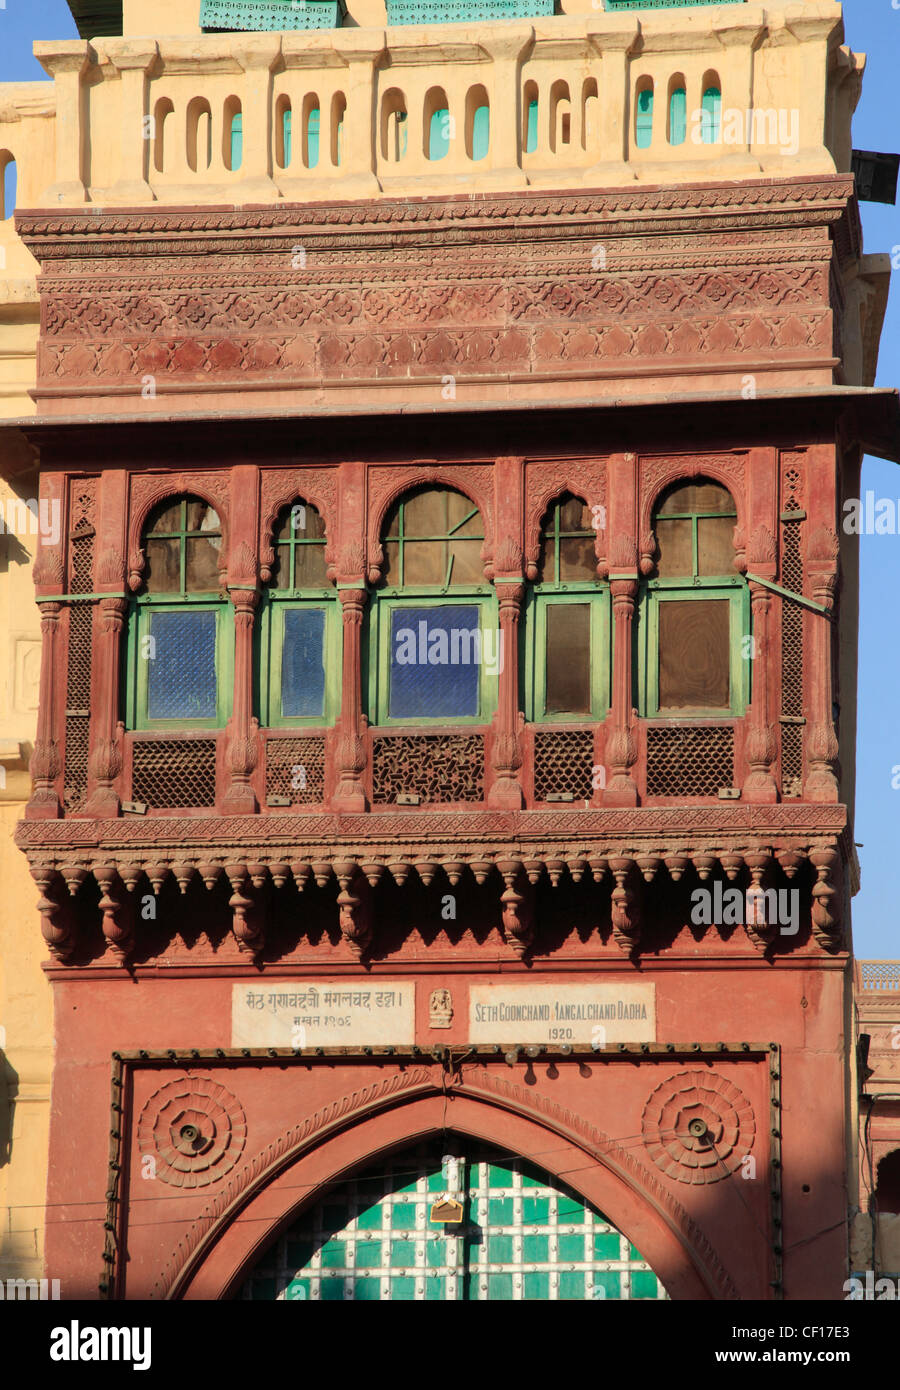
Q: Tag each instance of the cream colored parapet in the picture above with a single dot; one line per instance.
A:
(143, 120)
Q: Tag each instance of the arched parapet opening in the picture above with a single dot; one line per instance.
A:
(266, 1196)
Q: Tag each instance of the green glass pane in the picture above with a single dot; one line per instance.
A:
(535, 1211)
(610, 1280)
(435, 1289)
(499, 1177)
(500, 1211)
(332, 1291)
(500, 1249)
(439, 134)
(368, 1253)
(710, 115)
(403, 1252)
(536, 1249)
(436, 1252)
(286, 136)
(297, 1291)
(333, 1255)
(571, 1248)
(643, 129)
(607, 1245)
(531, 132)
(536, 1285)
(370, 1219)
(678, 116)
(500, 1288)
(531, 1179)
(367, 1290)
(481, 132)
(404, 1217)
(312, 137)
(644, 1284)
(571, 1284)
(570, 1211)
(403, 1289)
(237, 140)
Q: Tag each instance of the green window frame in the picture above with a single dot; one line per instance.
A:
(551, 591)
(284, 595)
(182, 600)
(694, 587)
(400, 596)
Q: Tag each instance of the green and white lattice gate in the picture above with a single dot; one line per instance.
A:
(523, 1236)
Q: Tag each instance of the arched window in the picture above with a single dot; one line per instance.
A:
(677, 113)
(643, 115)
(697, 609)
(567, 621)
(711, 115)
(299, 628)
(435, 641)
(181, 637)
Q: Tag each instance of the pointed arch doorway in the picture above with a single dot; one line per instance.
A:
(521, 1235)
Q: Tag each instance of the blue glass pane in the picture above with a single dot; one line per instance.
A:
(302, 663)
(481, 132)
(678, 116)
(531, 133)
(435, 656)
(439, 134)
(182, 677)
(644, 123)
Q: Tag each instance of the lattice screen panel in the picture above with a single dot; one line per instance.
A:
(295, 767)
(689, 760)
(791, 638)
(524, 1237)
(78, 706)
(174, 772)
(563, 763)
(434, 767)
(82, 499)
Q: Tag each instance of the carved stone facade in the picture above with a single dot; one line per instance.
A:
(181, 873)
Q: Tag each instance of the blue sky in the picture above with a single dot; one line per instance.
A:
(873, 27)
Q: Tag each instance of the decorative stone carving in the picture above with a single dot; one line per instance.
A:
(440, 1009)
(697, 1126)
(193, 1130)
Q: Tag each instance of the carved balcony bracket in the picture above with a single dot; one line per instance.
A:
(56, 921)
(517, 906)
(826, 906)
(245, 922)
(354, 907)
(625, 906)
(117, 919)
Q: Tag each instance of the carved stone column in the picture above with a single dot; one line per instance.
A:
(362, 51)
(133, 60)
(45, 760)
(821, 741)
(257, 55)
(67, 64)
(106, 756)
(243, 728)
(620, 746)
(761, 749)
(506, 792)
(350, 793)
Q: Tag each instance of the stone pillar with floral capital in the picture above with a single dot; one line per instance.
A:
(350, 793)
(243, 727)
(46, 763)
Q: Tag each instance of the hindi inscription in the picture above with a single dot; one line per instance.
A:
(305, 1014)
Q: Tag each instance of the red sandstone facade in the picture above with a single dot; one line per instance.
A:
(712, 287)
